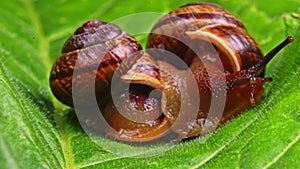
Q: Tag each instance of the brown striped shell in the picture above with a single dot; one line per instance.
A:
(238, 50)
(94, 40)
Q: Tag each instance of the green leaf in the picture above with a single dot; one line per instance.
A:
(39, 132)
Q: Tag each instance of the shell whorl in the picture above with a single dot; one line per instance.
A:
(198, 22)
(101, 47)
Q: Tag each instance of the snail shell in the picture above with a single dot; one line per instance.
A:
(94, 40)
(184, 32)
(237, 49)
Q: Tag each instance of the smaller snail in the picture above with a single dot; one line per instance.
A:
(94, 40)
(160, 97)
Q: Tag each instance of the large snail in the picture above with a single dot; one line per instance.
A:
(184, 32)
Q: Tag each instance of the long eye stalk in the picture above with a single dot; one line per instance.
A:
(256, 69)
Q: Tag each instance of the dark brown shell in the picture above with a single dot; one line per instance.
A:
(176, 32)
(102, 47)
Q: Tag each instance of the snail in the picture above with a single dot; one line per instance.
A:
(153, 101)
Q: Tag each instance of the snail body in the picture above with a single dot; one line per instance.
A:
(163, 97)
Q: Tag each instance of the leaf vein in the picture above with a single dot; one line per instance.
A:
(294, 141)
